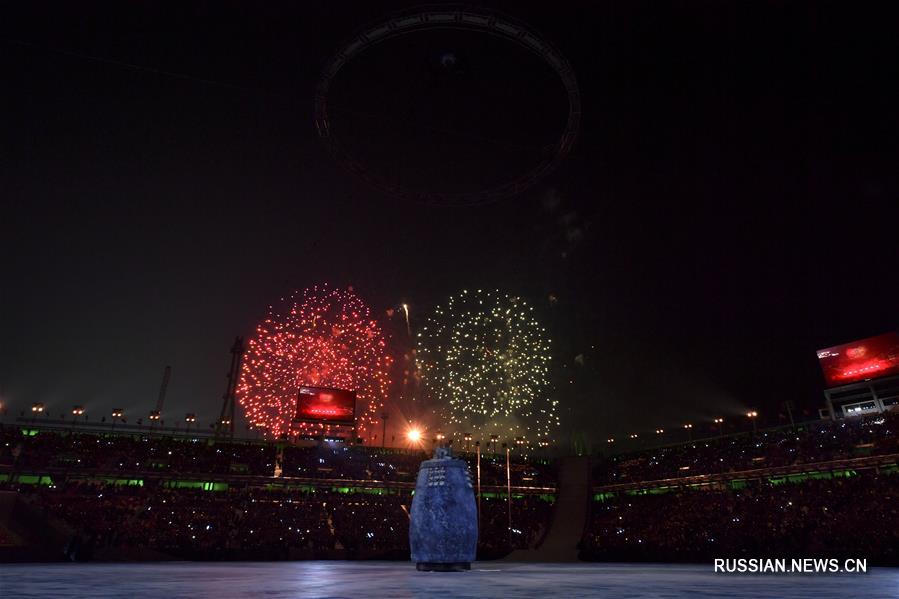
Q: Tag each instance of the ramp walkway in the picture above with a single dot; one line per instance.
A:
(569, 516)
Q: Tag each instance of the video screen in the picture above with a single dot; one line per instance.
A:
(325, 404)
(869, 358)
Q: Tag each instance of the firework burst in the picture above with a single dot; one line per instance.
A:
(318, 337)
(485, 360)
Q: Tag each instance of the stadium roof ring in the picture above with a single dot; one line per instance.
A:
(462, 18)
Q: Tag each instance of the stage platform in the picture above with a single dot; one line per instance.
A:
(364, 580)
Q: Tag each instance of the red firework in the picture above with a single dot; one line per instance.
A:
(320, 337)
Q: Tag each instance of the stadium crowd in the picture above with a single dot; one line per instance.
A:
(810, 443)
(852, 517)
(370, 463)
(839, 513)
(124, 492)
(78, 451)
(258, 523)
(337, 501)
(135, 453)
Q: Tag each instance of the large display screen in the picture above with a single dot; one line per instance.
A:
(329, 405)
(866, 359)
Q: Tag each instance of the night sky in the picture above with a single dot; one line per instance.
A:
(730, 205)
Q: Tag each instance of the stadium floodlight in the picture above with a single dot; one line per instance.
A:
(37, 407)
(117, 414)
(610, 440)
(77, 410)
(414, 435)
(753, 415)
(660, 431)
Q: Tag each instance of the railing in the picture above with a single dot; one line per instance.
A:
(153, 430)
(246, 479)
(120, 428)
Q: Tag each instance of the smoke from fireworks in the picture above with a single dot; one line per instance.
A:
(485, 359)
(319, 337)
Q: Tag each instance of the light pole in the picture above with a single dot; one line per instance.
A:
(76, 412)
(519, 443)
(117, 413)
(753, 415)
(689, 428)
(543, 443)
(509, 491)
(190, 418)
(789, 405)
(493, 439)
(36, 408)
(154, 418)
(477, 446)
(467, 437)
(720, 423)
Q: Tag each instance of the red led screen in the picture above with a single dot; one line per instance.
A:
(331, 405)
(866, 359)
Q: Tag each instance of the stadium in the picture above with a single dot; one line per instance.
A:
(95, 495)
(119, 492)
(494, 299)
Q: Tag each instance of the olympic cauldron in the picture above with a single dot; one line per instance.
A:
(443, 531)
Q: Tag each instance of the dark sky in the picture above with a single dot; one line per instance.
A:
(730, 205)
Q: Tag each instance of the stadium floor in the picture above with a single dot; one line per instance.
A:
(359, 580)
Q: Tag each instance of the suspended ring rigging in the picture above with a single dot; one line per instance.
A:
(460, 18)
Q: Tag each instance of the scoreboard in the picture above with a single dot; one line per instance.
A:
(869, 358)
(324, 404)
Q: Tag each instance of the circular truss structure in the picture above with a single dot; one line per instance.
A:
(468, 19)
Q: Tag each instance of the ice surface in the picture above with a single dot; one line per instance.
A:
(364, 580)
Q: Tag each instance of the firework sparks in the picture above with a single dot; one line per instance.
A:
(485, 359)
(318, 337)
